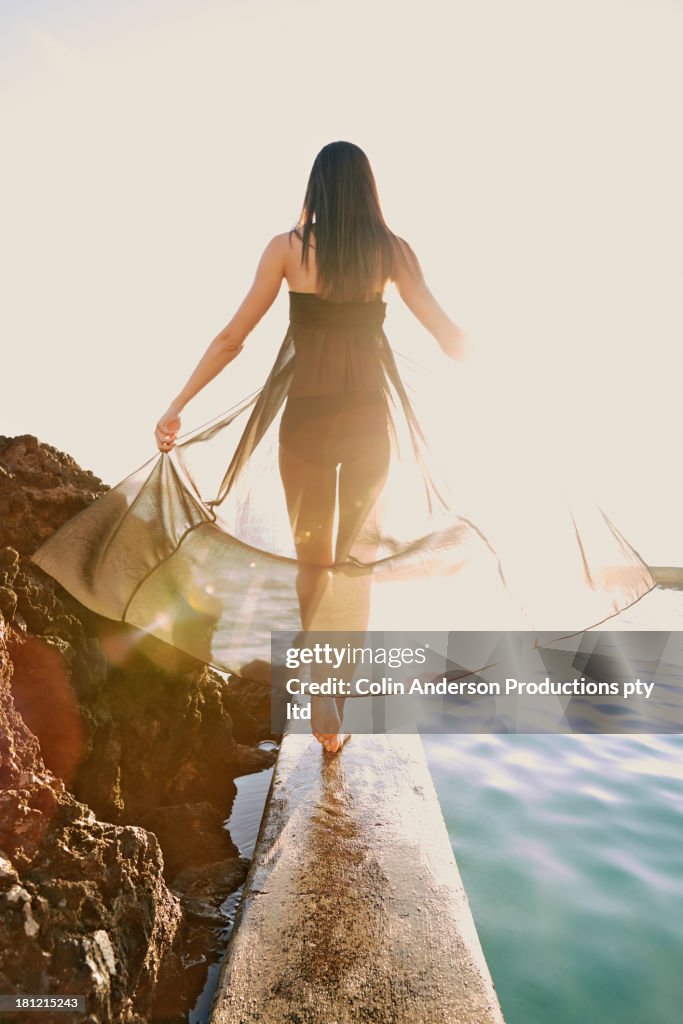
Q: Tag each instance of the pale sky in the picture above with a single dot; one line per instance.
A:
(529, 152)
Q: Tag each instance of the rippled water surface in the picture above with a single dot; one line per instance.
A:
(571, 852)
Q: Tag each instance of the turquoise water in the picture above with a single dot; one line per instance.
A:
(571, 852)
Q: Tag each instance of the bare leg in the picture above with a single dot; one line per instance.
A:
(310, 492)
(332, 599)
(361, 482)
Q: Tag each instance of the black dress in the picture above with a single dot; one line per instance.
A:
(315, 503)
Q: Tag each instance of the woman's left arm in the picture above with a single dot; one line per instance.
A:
(229, 342)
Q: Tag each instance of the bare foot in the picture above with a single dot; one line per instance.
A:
(332, 742)
(326, 724)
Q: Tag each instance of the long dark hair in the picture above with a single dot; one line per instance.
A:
(352, 239)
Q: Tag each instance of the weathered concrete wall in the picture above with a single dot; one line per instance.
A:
(354, 909)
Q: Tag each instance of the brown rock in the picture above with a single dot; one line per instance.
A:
(99, 722)
(203, 889)
(40, 488)
(189, 835)
(83, 904)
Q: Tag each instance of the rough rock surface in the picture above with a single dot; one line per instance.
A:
(40, 488)
(83, 904)
(118, 756)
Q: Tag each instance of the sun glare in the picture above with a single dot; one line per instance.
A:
(149, 160)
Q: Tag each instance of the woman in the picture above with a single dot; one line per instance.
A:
(213, 565)
(337, 418)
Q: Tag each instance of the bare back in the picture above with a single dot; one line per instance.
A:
(301, 278)
(281, 260)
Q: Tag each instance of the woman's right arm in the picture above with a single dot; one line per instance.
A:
(412, 288)
(228, 343)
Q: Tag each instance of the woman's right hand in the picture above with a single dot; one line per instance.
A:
(166, 430)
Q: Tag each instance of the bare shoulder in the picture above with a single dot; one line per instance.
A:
(287, 236)
(407, 270)
(279, 243)
(274, 254)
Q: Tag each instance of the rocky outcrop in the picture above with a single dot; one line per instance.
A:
(118, 756)
(84, 907)
(40, 488)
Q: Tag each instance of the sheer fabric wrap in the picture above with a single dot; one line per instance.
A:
(212, 546)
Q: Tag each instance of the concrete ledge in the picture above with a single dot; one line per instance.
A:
(354, 910)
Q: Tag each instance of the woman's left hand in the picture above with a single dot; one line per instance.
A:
(456, 345)
(166, 430)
